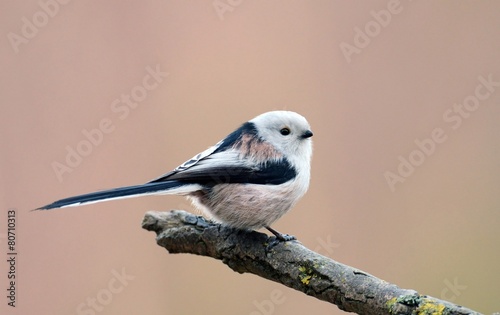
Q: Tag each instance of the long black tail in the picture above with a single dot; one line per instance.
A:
(167, 187)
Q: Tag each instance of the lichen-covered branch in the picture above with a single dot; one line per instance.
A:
(290, 264)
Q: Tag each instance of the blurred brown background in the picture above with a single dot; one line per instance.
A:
(370, 76)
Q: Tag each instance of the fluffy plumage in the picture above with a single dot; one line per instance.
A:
(247, 181)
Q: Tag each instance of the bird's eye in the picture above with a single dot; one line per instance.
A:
(285, 131)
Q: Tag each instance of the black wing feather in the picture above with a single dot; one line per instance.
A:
(273, 173)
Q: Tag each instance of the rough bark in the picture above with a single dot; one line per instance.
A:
(290, 264)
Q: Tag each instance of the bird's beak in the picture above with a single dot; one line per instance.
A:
(307, 134)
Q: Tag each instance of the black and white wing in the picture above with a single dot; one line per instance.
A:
(229, 161)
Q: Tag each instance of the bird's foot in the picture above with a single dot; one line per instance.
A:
(281, 237)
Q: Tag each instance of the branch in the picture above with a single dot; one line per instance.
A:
(290, 264)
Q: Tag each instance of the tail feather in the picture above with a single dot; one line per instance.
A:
(167, 187)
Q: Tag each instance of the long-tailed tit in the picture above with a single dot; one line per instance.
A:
(246, 181)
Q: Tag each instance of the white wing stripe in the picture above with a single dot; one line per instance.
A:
(195, 159)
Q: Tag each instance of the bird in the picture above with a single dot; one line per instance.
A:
(246, 181)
